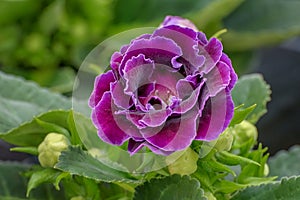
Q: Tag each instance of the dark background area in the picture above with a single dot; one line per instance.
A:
(280, 66)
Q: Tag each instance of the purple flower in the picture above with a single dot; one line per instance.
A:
(165, 90)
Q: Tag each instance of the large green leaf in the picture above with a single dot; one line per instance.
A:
(173, 187)
(13, 184)
(287, 189)
(260, 22)
(252, 89)
(46, 175)
(33, 132)
(79, 162)
(285, 163)
(21, 100)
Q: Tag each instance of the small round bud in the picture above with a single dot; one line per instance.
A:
(244, 132)
(225, 140)
(184, 165)
(51, 148)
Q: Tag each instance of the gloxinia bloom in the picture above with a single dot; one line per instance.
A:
(165, 90)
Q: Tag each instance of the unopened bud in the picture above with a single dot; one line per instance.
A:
(184, 165)
(225, 140)
(51, 148)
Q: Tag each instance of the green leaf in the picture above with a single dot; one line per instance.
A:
(252, 174)
(32, 133)
(232, 159)
(252, 89)
(51, 127)
(218, 167)
(285, 163)
(241, 114)
(172, 187)
(287, 189)
(21, 100)
(46, 175)
(30, 150)
(79, 162)
(225, 186)
(75, 139)
(13, 184)
(258, 23)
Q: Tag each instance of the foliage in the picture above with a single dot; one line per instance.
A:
(284, 163)
(250, 90)
(287, 188)
(19, 106)
(214, 174)
(13, 184)
(46, 41)
(172, 187)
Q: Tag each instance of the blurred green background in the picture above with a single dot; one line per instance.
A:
(46, 41)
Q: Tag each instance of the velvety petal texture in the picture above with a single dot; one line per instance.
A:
(165, 90)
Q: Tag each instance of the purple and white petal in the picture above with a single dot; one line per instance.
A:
(176, 134)
(105, 121)
(187, 39)
(159, 49)
(137, 73)
(216, 115)
(188, 95)
(212, 52)
(233, 75)
(218, 78)
(178, 21)
(101, 85)
(120, 98)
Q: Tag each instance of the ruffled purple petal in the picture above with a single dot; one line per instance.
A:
(115, 60)
(135, 146)
(165, 81)
(137, 73)
(176, 134)
(121, 99)
(159, 49)
(101, 85)
(201, 37)
(233, 75)
(178, 21)
(188, 95)
(124, 48)
(212, 52)
(218, 78)
(107, 123)
(216, 115)
(155, 118)
(187, 39)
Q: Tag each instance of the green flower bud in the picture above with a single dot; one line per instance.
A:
(225, 140)
(184, 165)
(51, 148)
(244, 132)
(266, 169)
